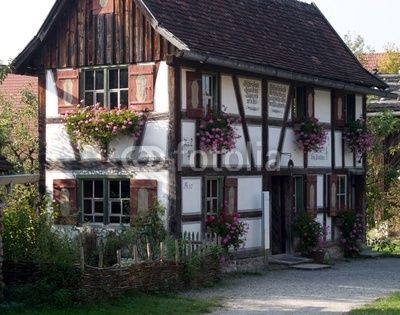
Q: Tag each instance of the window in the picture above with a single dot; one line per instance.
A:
(210, 92)
(299, 105)
(107, 87)
(214, 194)
(342, 192)
(106, 201)
(298, 194)
(350, 108)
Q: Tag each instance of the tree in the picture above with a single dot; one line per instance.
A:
(390, 61)
(357, 45)
(18, 127)
(4, 71)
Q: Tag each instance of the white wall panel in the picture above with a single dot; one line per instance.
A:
(359, 106)
(58, 144)
(254, 235)
(255, 133)
(338, 149)
(320, 191)
(348, 158)
(191, 228)
(290, 146)
(191, 195)
(161, 94)
(239, 156)
(323, 158)
(323, 105)
(51, 96)
(228, 97)
(155, 140)
(188, 143)
(249, 193)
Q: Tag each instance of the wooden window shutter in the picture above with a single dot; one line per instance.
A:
(65, 196)
(310, 101)
(102, 6)
(68, 90)
(141, 87)
(231, 195)
(332, 195)
(312, 195)
(339, 104)
(143, 195)
(194, 95)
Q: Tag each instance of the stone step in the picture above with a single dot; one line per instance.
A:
(288, 260)
(310, 267)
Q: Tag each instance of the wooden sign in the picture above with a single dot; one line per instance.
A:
(277, 99)
(251, 91)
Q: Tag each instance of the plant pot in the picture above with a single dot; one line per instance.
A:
(318, 256)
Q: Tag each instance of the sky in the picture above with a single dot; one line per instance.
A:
(375, 20)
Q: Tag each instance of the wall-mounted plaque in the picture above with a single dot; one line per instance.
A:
(251, 91)
(277, 99)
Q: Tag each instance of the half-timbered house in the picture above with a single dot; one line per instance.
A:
(272, 63)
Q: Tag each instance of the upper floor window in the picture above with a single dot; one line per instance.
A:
(214, 195)
(341, 196)
(299, 104)
(107, 87)
(210, 99)
(350, 108)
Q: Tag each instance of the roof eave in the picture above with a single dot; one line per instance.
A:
(282, 74)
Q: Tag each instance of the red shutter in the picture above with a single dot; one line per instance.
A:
(332, 195)
(338, 107)
(231, 195)
(142, 184)
(141, 87)
(310, 101)
(65, 196)
(312, 195)
(194, 95)
(68, 90)
(102, 6)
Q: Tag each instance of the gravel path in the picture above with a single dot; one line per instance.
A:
(332, 291)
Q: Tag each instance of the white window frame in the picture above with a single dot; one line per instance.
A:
(93, 215)
(210, 85)
(341, 181)
(121, 200)
(209, 200)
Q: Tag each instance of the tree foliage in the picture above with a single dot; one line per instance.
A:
(383, 182)
(18, 131)
(357, 45)
(390, 61)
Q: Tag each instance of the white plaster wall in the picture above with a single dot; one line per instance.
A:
(239, 156)
(121, 148)
(191, 228)
(338, 149)
(273, 141)
(320, 191)
(255, 133)
(329, 227)
(348, 157)
(323, 158)
(290, 146)
(228, 97)
(51, 96)
(191, 195)
(188, 143)
(249, 193)
(161, 94)
(323, 105)
(53, 175)
(359, 163)
(320, 219)
(254, 235)
(90, 152)
(155, 141)
(58, 145)
(208, 159)
(359, 106)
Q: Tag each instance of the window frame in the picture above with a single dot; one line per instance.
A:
(341, 194)
(296, 115)
(106, 84)
(219, 198)
(350, 112)
(215, 90)
(106, 198)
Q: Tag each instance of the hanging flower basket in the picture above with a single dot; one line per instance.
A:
(310, 135)
(217, 133)
(96, 125)
(358, 137)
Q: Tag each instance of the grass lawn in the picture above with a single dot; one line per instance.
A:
(388, 306)
(396, 250)
(129, 305)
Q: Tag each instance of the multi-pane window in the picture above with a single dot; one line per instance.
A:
(350, 108)
(210, 92)
(341, 195)
(213, 195)
(298, 194)
(299, 105)
(93, 201)
(119, 201)
(107, 87)
(106, 201)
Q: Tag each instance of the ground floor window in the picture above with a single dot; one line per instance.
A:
(214, 195)
(341, 196)
(105, 201)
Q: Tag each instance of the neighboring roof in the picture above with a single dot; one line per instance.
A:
(283, 34)
(14, 84)
(370, 61)
(382, 104)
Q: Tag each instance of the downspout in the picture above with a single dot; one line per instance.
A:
(281, 74)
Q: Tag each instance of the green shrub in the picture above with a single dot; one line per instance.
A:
(308, 231)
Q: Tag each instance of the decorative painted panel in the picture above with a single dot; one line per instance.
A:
(191, 195)
(277, 99)
(188, 143)
(251, 91)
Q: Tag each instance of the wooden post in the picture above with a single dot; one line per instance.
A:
(135, 254)
(177, 252)
(148, 251)
(82, 255)
(161, 251)
(101, 259)
(119, 257)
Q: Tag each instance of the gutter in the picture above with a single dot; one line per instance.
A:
(281, 74)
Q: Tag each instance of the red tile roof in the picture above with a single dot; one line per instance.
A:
(14, 84)
(371, 61)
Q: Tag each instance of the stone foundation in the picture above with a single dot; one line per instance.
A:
(253, 264)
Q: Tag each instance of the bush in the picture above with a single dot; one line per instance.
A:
(309, 232)
(351, 232)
